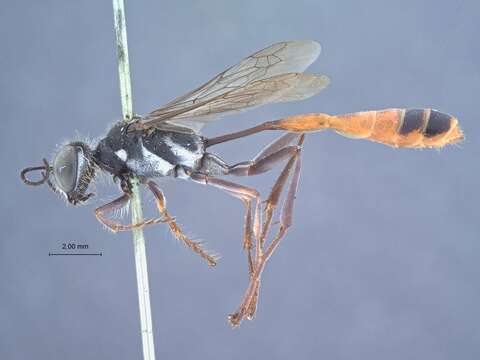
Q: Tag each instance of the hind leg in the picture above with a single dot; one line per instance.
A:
(278, 151)
(291, 171)
(248, 196)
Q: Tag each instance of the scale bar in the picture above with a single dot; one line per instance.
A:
(75, 254)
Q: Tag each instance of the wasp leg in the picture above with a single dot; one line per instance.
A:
(247, 196)
(278, 145)
(271, 155)
(102, 211)
(175, 229)
(248, 305)
(278, 151)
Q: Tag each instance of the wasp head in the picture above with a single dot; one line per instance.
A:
(71, 172)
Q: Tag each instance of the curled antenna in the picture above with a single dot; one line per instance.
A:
(45, 174)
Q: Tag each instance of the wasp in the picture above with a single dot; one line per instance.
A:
(168, 143)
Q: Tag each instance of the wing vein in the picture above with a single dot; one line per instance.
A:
(273, 74)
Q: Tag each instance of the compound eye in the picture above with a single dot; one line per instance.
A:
(65, 168)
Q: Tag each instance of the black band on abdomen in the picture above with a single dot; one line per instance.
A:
(438, 123)
(413, 120)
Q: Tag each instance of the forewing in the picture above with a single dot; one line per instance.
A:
(285, 87)
(270, 75)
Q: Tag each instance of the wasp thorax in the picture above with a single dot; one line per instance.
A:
(72, 171)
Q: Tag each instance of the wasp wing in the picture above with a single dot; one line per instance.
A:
(270, 75)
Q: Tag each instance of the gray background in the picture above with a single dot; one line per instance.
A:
(382, 262)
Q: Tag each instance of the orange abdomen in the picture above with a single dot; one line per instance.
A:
(413, 128)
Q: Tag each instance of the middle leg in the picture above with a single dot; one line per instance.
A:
(175, 229)
(247, 195)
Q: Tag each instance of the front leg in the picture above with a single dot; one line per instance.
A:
(117, 204)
